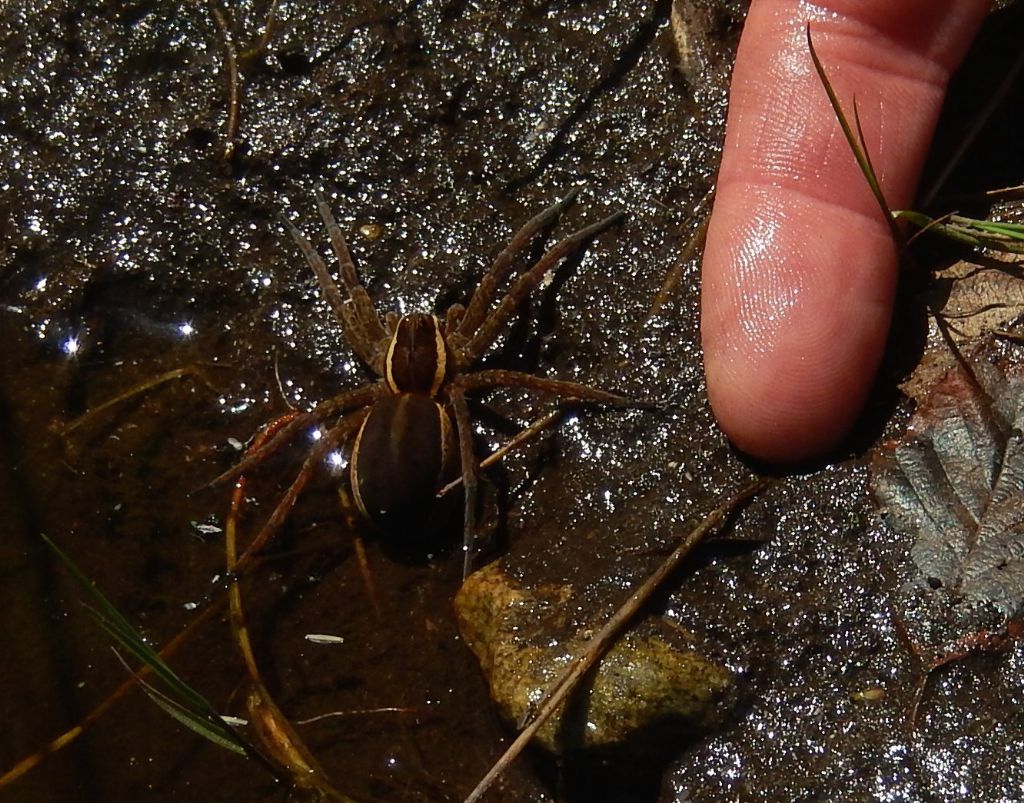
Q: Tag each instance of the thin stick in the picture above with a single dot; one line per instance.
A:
(602, 640)
(693, 245)
(1004, 193)
(135, 390)
(268, 28)
(980, 120)
(234, 83)
(360, 712)
(368, 581)
(931, 224)
(521, 437)
(470, 474)
(280, 384)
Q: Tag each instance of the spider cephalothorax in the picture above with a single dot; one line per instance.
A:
(412, 426)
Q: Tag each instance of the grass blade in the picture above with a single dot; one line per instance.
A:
(182, 702)
(856, 141)
(1006, 237)
(987, 234)
(221, 736)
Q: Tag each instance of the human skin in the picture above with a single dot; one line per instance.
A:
(799, 270)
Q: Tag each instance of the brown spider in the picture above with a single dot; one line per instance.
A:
(404, 447)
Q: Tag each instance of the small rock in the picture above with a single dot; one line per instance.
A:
(650, 684)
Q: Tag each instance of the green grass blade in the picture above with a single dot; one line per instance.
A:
(218, 733)
(864, 161)
(987, 234)
(1005, 237)
(190, 707)
(1013, 231)
(855, 141)
(122, 631)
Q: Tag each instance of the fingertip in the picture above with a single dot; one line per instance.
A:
(793, 326)
(800, 267)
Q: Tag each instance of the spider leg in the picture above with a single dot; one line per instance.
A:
(346, 401)
(355, 333)
(470, 471)
(452, 319)
(334, 437)
(365, 313)
(238, 497)
(524, 285)
(270, 438)
(484, 294)
(482, 380)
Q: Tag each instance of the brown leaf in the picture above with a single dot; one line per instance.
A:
(955, 482)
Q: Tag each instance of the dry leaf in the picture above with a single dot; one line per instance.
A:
(955, 482)
(978, 300)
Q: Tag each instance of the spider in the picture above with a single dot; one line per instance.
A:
(405, 446)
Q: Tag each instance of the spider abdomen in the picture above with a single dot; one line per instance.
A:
(403, 454)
